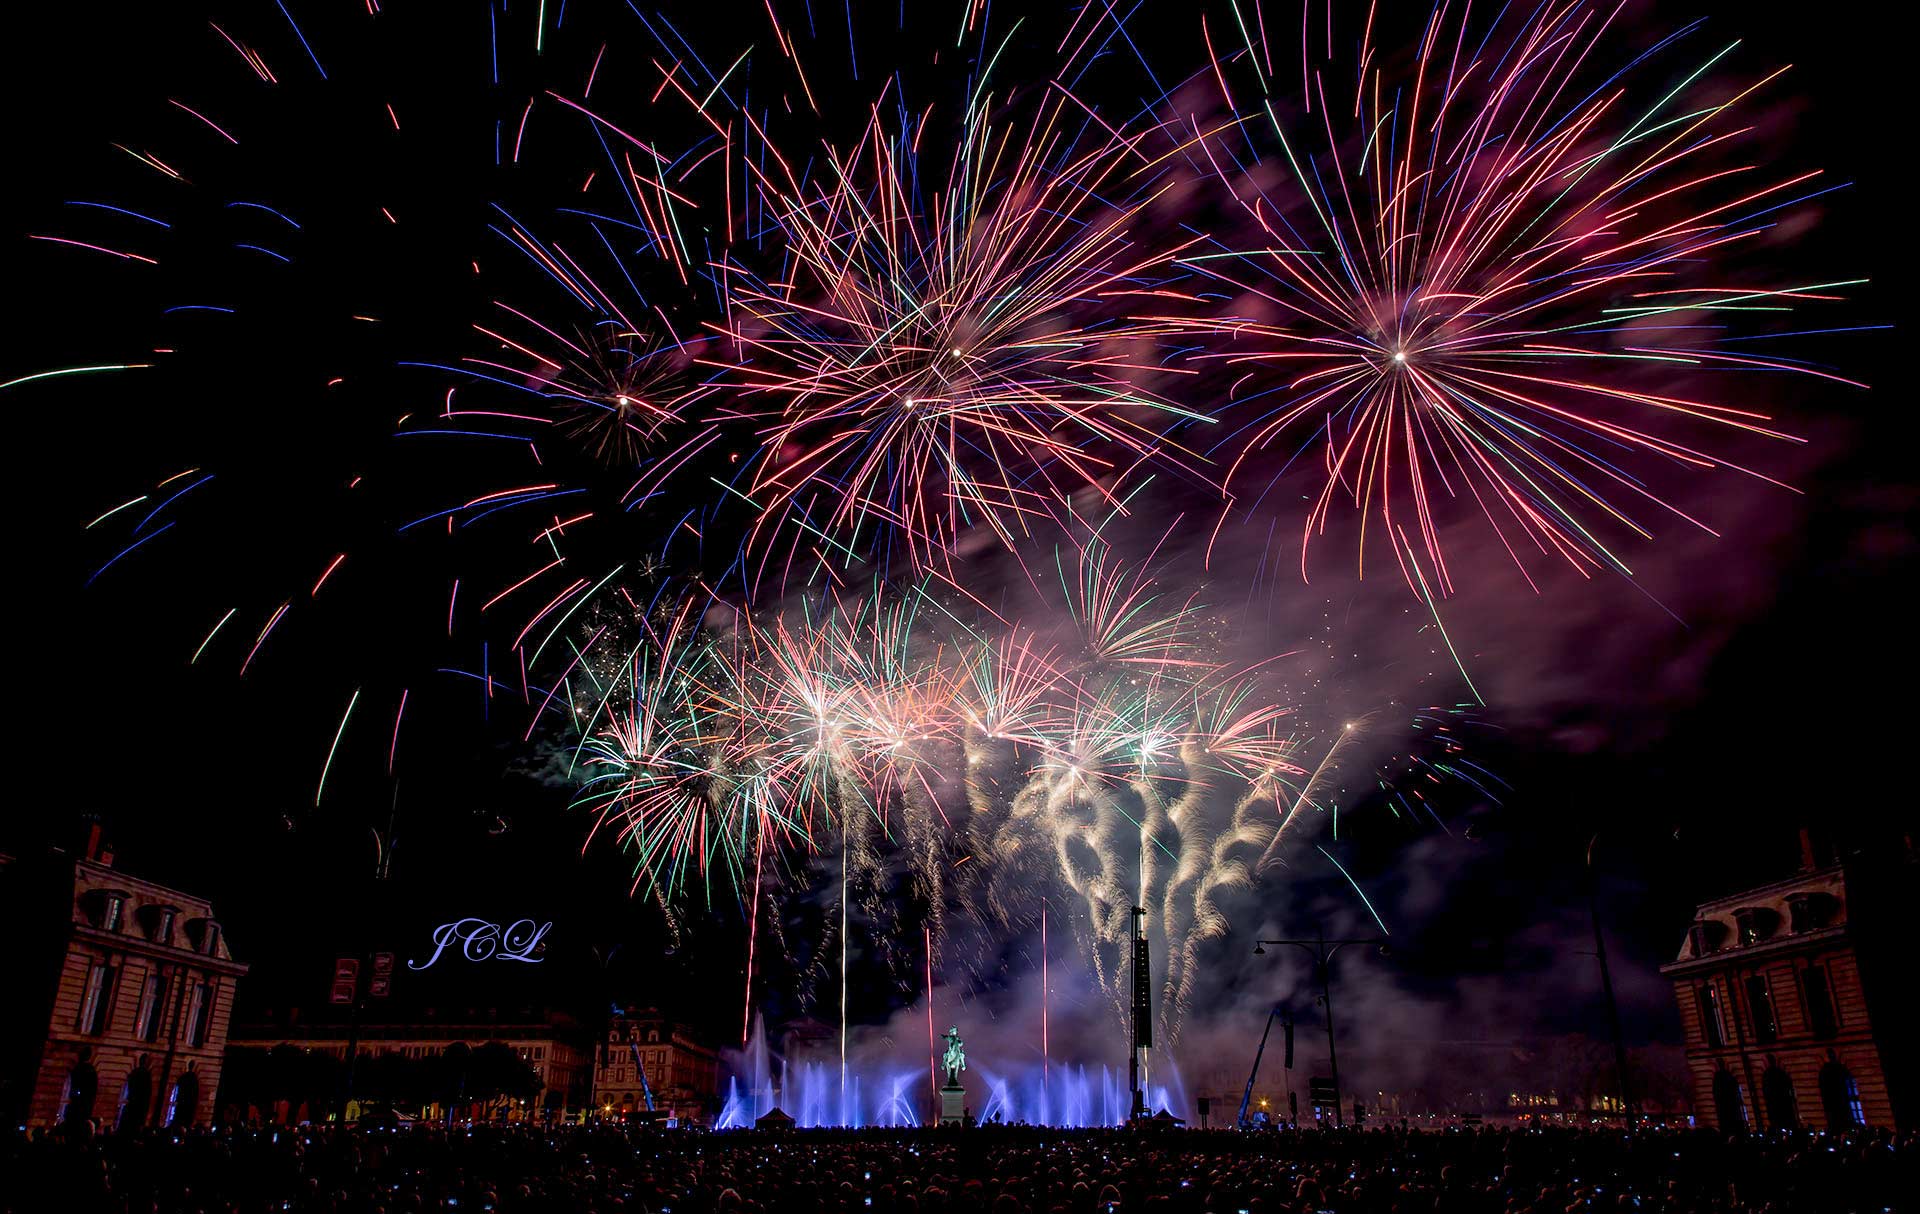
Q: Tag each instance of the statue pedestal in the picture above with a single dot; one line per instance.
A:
(953, 1105)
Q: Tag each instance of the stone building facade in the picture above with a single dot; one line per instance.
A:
(682, 1075)
(1789, 1000)
(548, 1041)
(121, 1008)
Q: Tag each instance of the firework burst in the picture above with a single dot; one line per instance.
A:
(1496, 280)
(958, 766)
(937, 359)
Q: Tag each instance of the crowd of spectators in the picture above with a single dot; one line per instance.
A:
(995, 1170)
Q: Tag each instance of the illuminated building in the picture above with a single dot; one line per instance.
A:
(119, 995)
(425, 1039)
(1791, 1001)
(682, 1075)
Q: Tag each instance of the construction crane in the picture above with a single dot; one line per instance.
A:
(1246, 1097)
(645, 1091)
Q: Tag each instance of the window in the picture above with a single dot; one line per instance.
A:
(163, 926)
(1713, 1024)
(115, 912)
(83, 1084)
(1766, 1026)
(199, 1008)
(96, 1001)
(1776, 1089)
(136, 1098)
(1729, 1103)
(1815, 989)
(1840, 1094)
(1800, 913)
(183, 1100)
(146, 1019)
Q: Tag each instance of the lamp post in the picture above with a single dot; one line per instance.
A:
(1606, 984)
(382, 873)
(1322, 950)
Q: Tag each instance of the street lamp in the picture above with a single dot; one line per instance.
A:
(1606, 983)
(1322, 950)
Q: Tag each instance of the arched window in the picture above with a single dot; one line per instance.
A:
(1729, 1104)
(1810, 911)
(1752, 924)
(183, 1102)
(135, 1099)
(1776, 1089)
(1707, 936)
(158, 919)
(204, 934)
(83, 1084)
(1840, 1097)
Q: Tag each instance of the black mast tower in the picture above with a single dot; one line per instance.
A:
(1142, 1006)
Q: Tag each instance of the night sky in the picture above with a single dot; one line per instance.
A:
(1692, 746)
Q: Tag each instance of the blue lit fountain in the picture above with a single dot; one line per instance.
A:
(879, 1095)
